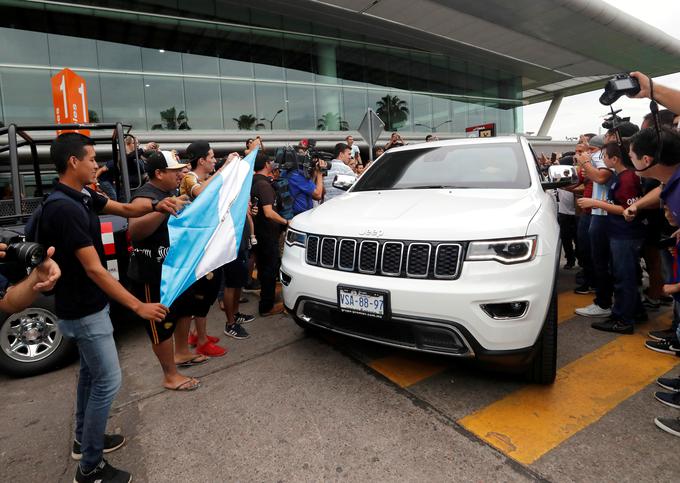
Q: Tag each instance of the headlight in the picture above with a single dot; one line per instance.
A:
(505, 251)
(295, 238)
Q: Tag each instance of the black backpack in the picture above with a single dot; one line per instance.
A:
(32, 229)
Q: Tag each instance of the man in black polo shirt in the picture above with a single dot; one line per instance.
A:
(82, 295)
(268, 226)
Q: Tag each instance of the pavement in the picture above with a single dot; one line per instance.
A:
(286, 405)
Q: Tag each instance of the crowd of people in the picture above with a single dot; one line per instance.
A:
(626, 209)
(620, 226)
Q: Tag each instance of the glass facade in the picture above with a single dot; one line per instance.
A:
(151, 65)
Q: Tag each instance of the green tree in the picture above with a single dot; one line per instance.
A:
(392, 111)
(247, 122)
(331, 121)
(172, 120)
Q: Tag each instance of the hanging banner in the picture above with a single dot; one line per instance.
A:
(69, 98)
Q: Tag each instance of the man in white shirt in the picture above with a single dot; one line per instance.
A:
(355, 153)
(337, 166)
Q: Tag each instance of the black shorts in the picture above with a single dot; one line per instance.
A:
(151, 293)
(236, 272)
(197, 299)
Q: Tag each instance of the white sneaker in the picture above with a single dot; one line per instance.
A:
(593, 310)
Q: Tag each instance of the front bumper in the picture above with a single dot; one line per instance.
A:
(441, 316)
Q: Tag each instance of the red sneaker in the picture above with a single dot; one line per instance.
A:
(193, 339)
(211, 350)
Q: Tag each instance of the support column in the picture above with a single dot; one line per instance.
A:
(550, 115)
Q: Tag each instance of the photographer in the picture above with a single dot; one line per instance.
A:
(665, 96)
(303, 189)
(42, 278)
(395, 141)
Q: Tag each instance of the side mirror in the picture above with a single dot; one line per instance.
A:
(560, 176)
(344, 181)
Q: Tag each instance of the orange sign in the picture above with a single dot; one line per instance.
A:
(69, 97)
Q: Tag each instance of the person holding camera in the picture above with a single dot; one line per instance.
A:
(268, 225)
(395, 141)
(43, 278)
(305, 190)
(69, 222)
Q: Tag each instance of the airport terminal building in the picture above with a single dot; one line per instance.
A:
(300, 66)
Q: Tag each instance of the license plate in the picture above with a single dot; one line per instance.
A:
(362, 301)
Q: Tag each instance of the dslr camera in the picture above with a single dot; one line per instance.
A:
(617, 86)
(20, 255)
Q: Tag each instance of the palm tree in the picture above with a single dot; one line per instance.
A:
(392, 111)
(171, 120)
(331, 121)
(247, 122)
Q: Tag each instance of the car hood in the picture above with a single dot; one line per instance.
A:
(433, 214)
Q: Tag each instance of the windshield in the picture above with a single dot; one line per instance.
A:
(492, 166)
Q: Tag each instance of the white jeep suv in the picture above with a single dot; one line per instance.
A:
(449, 247)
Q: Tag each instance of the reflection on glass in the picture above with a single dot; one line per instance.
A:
(123, 99)
(441, 117)
(72, 52)
(119, 56)
(328, 109)
(300, 107)
(200, 64)
(354, 106)
(27, 95)
(20, 45)
(270, 101)
(422, 113)
(393, 111)
(159, 60)
(238, 99)
(203, 103)
(165, 103)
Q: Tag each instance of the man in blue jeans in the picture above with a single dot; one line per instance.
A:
(70, 223)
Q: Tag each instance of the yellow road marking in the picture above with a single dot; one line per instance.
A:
(535, 419)
(405, 371)
(569, 301)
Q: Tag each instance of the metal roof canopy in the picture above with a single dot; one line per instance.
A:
(557, 47)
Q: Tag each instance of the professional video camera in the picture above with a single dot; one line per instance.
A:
(19, 256)
(613, 120)
(617, 86)
(289, 159)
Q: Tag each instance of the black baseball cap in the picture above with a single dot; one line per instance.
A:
(162, 160)
(198, 150)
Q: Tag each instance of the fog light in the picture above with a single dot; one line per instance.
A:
(506, 310)
(285, 278)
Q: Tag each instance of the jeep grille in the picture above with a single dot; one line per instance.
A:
(389, 258)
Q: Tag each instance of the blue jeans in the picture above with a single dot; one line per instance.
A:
(600, 252)
(98, 382)
(583, 247)
(625, 268)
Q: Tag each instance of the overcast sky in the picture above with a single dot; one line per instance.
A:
(583, 113)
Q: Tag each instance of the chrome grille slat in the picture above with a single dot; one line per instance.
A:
(391, 259)
(347, 254)
(328, 246)
(418, 260)
(368, 256)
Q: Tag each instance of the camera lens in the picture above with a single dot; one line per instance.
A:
(28, 254)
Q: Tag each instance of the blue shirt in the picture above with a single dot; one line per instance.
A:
(301, 190)
(671, 195)
(4, 285)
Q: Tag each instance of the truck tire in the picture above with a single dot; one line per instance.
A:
(31, 343)
(544, 365)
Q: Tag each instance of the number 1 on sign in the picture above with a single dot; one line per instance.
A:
(62, 88)
(81, 91)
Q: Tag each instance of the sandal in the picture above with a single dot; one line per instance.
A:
(190, 384)
(197, 360)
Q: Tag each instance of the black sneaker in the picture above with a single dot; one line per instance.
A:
(670, 425)
(670, 384)
(111, 443)
(663, 346)
(671, 399)
(613, 325)
(103, 473)
(662, 334)
(236, 331)
(243, 318)
(584, 290)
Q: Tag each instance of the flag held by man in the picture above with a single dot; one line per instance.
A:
(207, 233)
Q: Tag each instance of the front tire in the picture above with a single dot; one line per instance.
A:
(543, 368)
(30, 341)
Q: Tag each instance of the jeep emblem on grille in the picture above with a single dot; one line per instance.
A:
(369, 232)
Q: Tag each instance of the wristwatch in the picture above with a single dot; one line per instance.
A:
(154, 203)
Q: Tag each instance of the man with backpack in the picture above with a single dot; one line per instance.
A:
(268, 226)
(68, 220)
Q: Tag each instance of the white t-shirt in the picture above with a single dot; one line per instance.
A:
(355, 150)
(600, 191)
(565, 202)
(336, 167)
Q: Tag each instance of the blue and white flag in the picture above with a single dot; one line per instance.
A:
(207, 233)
